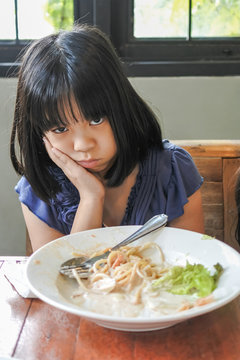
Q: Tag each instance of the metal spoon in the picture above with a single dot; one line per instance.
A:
(83, 264)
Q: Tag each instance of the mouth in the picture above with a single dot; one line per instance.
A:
(88, 164)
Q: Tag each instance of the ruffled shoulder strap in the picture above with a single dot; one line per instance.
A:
(184, 179)
(165, 181)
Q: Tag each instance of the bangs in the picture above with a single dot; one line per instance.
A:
(80, 78)
(62, 105)
(93, 93)
(49, 104)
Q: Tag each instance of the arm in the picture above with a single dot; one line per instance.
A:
(90, 210)
(192, 219)
(91, 190)
(39, 232)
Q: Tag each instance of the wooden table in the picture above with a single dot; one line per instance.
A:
(31, 329)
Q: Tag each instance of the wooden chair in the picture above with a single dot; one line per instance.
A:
(218, 162)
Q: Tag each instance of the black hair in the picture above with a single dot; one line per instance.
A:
(237, 198)
(79, 65)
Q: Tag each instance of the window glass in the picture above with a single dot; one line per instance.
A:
(35, 19)
(160, 18)
(170, 18)
(219, 18)
(7, 24)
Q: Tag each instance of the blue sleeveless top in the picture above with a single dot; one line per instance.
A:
(165, 180)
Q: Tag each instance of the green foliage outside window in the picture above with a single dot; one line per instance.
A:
(216, 18)
(165, 18)
(169, 18)
(59, 13)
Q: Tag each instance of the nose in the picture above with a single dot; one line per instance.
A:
(83, 142)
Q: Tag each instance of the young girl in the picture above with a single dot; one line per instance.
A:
(89, 148)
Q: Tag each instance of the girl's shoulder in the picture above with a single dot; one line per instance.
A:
(164, 160)
(172, 165)
(174, 150)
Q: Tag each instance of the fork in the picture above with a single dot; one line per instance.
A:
(83, 266)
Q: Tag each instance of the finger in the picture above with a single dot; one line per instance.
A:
(56, 155)
(48, 146)
(46, 141)
(71, 169)
(61, 157)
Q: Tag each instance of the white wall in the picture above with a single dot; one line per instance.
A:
(188, 108)
(194, 108)
(12, 229)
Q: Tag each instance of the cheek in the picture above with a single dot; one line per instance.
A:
(49, 136)
(112, 147)
(56, 141)
(108, 140)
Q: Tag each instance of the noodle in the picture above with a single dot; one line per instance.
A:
(121, 284)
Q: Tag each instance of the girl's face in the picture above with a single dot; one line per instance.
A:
(89, 143)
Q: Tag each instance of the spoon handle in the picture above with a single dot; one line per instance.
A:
(154, 223)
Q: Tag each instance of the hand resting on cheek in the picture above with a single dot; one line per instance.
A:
(88, 184)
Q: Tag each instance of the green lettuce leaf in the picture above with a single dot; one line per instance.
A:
(190, 279)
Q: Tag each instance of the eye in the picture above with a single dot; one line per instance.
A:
(97, 121)
(59, 130)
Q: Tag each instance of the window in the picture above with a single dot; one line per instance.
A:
(23, 20)
(153, 37)
(186, 19)
(191, 50)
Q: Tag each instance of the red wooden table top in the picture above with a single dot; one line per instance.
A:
(31, 329)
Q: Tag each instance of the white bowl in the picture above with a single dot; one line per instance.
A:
(178, 246)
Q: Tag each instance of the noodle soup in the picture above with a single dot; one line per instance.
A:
(123, 285)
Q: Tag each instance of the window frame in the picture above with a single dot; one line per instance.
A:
(144, 57)
(173, 57)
